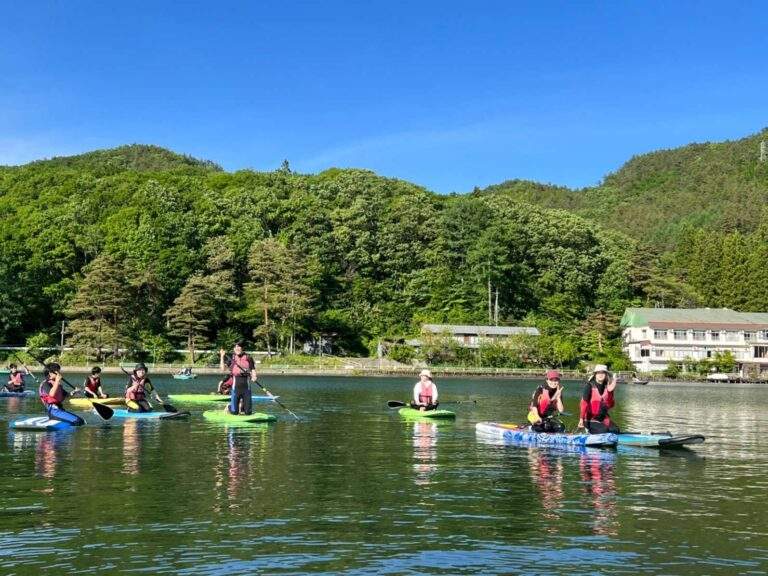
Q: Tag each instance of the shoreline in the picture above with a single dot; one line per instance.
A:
(392, 372)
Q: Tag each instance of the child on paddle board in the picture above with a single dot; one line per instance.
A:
(92, 384)
(596, 400)
(15, 379)
(224, 387)
(425, 392)
(545, 405)
(52, 395)
(240, 367)
(139, 385)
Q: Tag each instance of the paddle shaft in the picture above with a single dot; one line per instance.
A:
(283, 406)
(25, 367)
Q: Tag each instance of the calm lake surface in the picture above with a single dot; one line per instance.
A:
(354, 489)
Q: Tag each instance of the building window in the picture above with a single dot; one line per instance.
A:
(658, 353)
(763, 334)
(680, 354)
(698, 335)
(760, 351)
(731, 336)
(644, 352)
(681, 334)
(644, 332)
(660, 334)
(714, 336)
(748, 336)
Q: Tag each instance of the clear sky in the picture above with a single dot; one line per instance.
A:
(449, 95)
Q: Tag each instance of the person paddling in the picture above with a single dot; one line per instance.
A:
(596, 400)
(240, 367)
(52, 395)
(139, 385)
(425, 392)
(224, 387)
(546, 404)
(15, 379)
(92, 384)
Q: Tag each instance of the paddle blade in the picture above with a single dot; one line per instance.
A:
(103, 410)
(169, 407)
(395, 404)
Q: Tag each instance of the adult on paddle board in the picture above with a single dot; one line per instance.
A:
(139, 385)
(92, 384)
(596, 400)
(425, 392)
(546, 404)
(52, 395)
(15, 379)
(242, 370)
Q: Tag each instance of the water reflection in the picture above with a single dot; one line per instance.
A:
(424, 452)
(243, 448)
(597, 469)
(131, 446)
(546, 469)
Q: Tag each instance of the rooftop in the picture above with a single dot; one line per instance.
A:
(717, 318)
(479, 330)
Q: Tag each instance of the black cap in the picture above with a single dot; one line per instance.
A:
(140, 366)
(95, 370)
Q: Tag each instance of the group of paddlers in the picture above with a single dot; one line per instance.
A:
(547, 403)
(139, 388)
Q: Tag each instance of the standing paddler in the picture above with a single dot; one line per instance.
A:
(240, 368)
(52, 395)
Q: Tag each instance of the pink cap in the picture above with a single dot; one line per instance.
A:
(553, 375)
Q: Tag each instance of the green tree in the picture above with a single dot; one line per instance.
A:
(99, 309)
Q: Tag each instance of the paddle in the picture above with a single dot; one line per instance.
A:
(268, 393)
(101, 409)
(398, 404)
(25, 367)
(167, 407)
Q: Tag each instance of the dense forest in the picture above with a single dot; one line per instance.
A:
(139, 248)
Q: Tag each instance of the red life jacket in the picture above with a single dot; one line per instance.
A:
(16, 379)
(93, 385)
(240, 365)
(545, 403)
(139, 393)
(45, 394)
(598, 404)
(426, 393)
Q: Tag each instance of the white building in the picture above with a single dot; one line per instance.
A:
(654, 337)
(473, 336)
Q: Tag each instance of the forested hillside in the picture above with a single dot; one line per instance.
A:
(138, 247)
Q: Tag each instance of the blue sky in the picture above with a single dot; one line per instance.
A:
(449, 95)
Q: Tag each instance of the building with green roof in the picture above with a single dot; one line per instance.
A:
(655, 337)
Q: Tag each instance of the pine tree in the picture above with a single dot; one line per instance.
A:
(99, 308)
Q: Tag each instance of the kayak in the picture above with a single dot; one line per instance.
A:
(658, 440)
(207, 398)
(86, 403)
(225, 416)
(156, 415)
(413, 413)
(39, 423)
(184, 376)
(524, 435)
(25, 394)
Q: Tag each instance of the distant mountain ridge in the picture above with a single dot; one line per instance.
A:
(132, 157)
(656, 196)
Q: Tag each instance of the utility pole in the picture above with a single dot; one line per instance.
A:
(61, 346)
(496, 309)
(763, 151)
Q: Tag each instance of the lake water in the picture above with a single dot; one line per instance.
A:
(351, 488)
